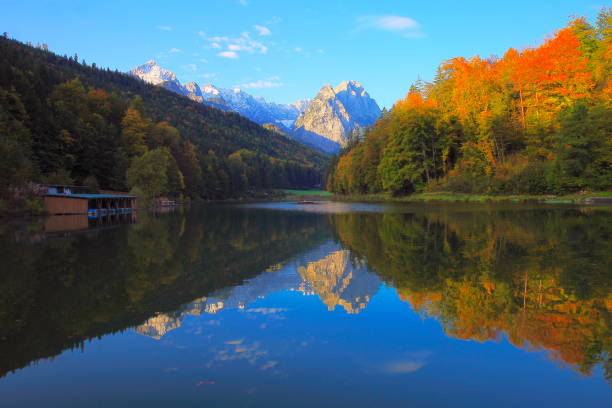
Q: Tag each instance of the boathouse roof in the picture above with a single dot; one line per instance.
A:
(89, 196)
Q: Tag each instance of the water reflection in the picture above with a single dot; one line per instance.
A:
(541, 278)
(58, 293)
(32, 231)
(335, 278)
(538, 277)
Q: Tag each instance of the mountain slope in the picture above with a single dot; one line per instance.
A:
(40, 83)
(334, 113)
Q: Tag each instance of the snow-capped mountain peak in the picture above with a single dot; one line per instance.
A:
(210, 89)
(152, 73)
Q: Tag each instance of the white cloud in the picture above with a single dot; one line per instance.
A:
(262, 30)
(235, 47)
(191, 67)
(266, 310)
(403, 367)
(260, 83)
(204, 60)
(243, 43)
(404, 26)
(207, 75)
(269, 364)
(164, 28)
(274, 20)
(298, 49)
(228, 54)
(171, 52)
(243, 2)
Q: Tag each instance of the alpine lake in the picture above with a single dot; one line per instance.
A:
(327, 304)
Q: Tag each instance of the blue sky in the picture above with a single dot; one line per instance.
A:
(286, 50)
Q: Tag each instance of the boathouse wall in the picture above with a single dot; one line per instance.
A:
(65, 205)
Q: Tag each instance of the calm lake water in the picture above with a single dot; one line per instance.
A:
(278, 304)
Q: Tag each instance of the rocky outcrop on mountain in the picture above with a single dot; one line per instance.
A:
(195, 93)
(334, 113)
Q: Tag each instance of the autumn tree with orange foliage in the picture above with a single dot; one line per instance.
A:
(534, 121)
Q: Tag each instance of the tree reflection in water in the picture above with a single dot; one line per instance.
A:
(541, 278)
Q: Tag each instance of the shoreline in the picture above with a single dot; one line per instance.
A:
(599, 198)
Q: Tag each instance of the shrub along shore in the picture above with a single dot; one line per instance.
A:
(599, 197)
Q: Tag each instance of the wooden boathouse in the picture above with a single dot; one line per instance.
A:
(61, 200)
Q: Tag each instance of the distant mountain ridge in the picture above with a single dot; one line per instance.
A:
(255, 108)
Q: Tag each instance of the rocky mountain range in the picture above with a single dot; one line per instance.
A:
(323, 123)
(255, 108)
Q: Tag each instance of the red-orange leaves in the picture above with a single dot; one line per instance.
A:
(554, 74)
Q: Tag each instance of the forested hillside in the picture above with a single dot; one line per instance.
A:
(534, 121)
(64, 120)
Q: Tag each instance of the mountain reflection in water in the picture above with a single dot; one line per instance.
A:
(536, 278)
(335, 278)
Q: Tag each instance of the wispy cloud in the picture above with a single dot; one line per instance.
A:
(207, 75)
(265, 310)
(242, 43)
(268, 364)
(169, 53)
(274, 20)
(191, 67)
(243, 2)
(404, 26)
(228, 54)
(164, 28)
(230, 47)
(262, 30)
(403, 367)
